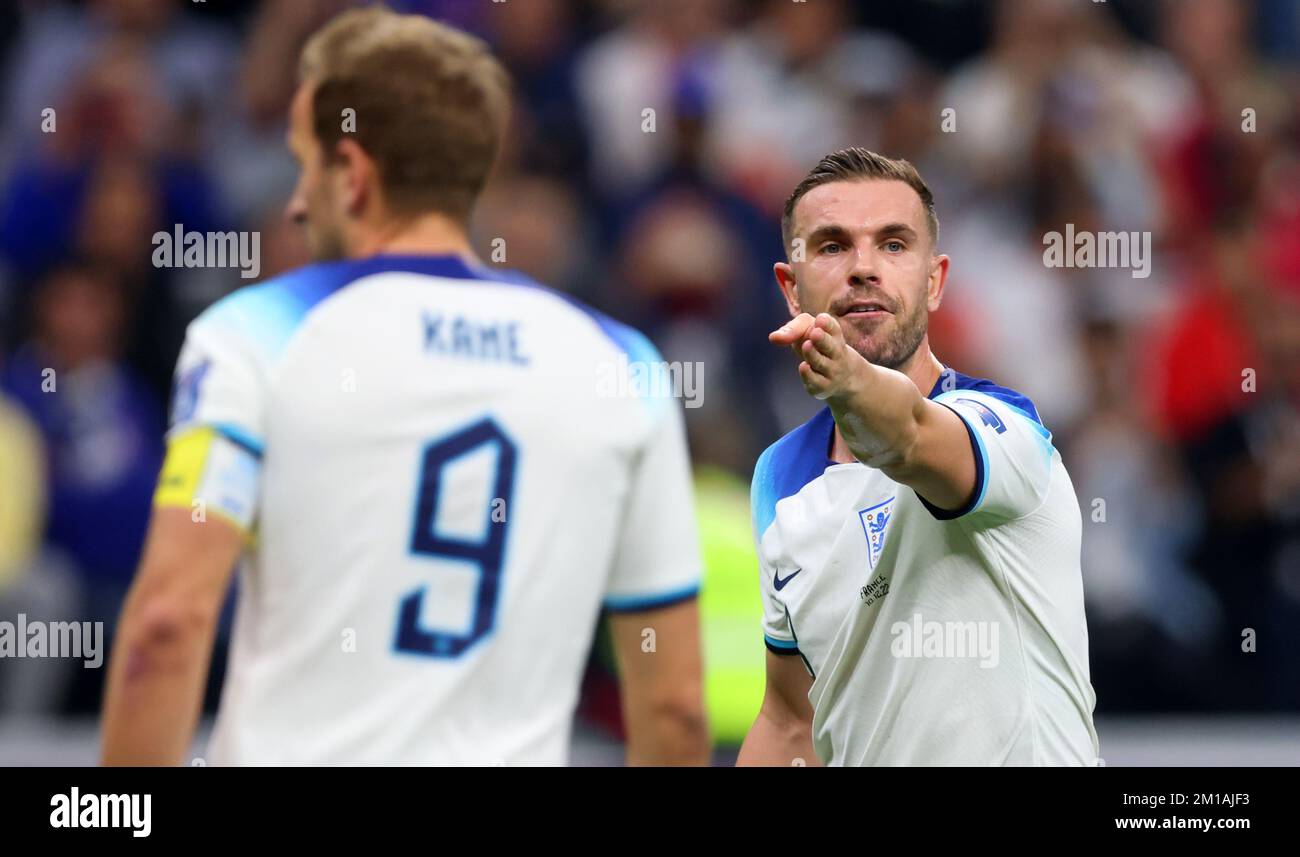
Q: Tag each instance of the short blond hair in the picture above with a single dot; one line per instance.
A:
(431, 104)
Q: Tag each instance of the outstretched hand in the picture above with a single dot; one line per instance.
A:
(830, 370)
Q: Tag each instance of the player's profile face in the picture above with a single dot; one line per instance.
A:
(312, 204)
(867, 260)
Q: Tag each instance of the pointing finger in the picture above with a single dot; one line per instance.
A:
(792, 331)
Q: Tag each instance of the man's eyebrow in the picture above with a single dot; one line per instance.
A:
(836, 230)
(896, 229)
(827, 230)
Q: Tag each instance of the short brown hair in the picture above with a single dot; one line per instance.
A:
(856, 164)
(431, 104)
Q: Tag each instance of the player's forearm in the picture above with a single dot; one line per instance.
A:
(879, 416)
(155, 687)
(773, 742)
(667, 735)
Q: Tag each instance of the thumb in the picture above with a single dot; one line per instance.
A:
(792, 331)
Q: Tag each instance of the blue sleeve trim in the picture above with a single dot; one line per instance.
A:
(1033, 423)
(781, 647)
(637, 603)
(981, 476)
(240, 438)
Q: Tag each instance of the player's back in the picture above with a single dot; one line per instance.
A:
(450, 485)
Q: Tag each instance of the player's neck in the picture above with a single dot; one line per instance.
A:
(922, 368)
(431, 234)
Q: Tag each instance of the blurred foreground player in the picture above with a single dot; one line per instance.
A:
(919, 538)
(434, 499)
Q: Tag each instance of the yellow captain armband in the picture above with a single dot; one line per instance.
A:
(210, 472)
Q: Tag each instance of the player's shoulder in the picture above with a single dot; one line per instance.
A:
(786, 466)
(622, 337)
(267, 313)
(954, 386)
(625, 337)
(993, 405)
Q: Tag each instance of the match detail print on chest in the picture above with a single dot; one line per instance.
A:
(875, 520)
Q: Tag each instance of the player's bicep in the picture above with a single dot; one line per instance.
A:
(782, 731)
(785, 697)
(658, 652)
(942, 466)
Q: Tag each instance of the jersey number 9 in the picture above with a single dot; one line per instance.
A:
(486, 553)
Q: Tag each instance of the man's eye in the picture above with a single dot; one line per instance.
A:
(894, 246)
(831, 247)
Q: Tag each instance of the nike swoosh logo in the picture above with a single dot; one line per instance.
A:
(780, 582)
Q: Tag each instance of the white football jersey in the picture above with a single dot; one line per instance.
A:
(933, 637)
(443, 483)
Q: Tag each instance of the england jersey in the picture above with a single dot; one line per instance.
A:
(445, 473)
(933, 637)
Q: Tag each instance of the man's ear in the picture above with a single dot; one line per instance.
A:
(356, 176)
(789, 289)
(937, 280)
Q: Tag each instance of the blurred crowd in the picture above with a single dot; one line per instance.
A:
(653, 144)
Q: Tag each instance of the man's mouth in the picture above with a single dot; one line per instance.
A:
(865, 309)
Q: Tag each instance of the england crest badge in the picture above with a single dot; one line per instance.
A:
(875, 525)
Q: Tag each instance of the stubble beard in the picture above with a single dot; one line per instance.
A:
(897, 348)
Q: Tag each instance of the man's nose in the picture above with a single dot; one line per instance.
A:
(864, 270)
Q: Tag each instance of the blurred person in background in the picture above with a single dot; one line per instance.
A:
(1064, 63)
(122, 208)
(28, 585)
(400, 359)
(1239, 107)
(100, 427)
(1054, 126)
(537, 43)
(687, 247)
(124, 78)
(1152, 623)
(633, 68)
(192, 66)
(256, 172)
(188, 60)
(535, 224)
(114, 172)
(795, 68)
(22, 478)
(1218, 177)
(1246, 465)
